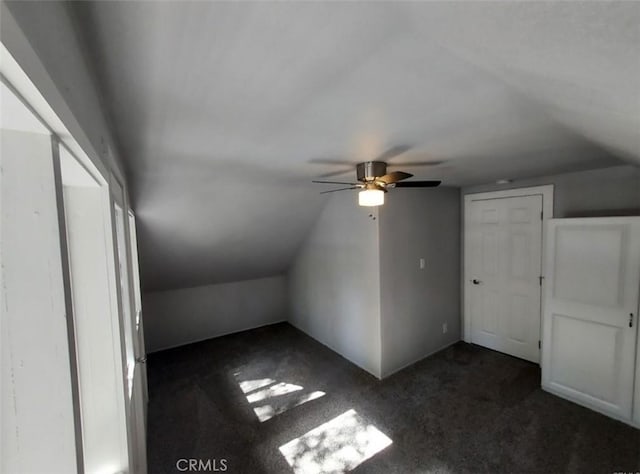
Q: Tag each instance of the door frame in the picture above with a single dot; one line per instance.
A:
(546, 191)
(118, 196)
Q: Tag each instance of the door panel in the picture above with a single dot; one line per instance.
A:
(505, 241)
(517, 330)
(593, 280)
(37, 432)
(589, 339)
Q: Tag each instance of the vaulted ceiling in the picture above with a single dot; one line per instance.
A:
(222, 110)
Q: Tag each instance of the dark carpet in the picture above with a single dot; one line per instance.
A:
(464, 409)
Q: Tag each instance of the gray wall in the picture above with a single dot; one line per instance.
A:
(176, 317)
(416, 303)
(334, 285)
(602, 192)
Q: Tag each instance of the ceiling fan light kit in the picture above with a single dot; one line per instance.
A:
(374, 181)
(371, 197)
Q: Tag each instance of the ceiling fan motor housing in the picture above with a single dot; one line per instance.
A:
(370, 170)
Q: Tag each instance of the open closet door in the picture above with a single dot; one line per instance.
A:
(590, 316)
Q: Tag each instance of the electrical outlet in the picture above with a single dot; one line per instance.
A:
(422, 264)
(444, 328)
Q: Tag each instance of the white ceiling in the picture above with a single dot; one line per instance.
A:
(220, 108)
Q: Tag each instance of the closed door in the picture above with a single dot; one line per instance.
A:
(503, 274)
(590, 312)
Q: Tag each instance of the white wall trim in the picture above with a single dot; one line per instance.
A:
(546, 191)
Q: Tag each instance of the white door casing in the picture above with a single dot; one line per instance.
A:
(133, 349)
(505, 240)
(140, 395)
(590, 312)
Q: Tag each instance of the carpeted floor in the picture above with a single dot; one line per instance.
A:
(464, 409)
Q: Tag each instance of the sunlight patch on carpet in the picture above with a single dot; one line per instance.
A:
(251, 385)
(339, 445)
(273, 391)
(270, 397)
(266, 412)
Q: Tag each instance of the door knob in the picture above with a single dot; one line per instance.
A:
(475, 281)
(141, 360)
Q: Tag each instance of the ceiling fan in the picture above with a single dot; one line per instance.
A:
(374, 181)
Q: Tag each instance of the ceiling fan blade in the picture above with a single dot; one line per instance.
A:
(394, 177)
(339, 189)
(331, 161)
(393, 151)
(336, 173)
(416, 163)
(334, 182)
(418, 184)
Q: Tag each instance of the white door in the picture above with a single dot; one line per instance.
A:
(590, 309)
(504, 241)
(140, 393)
(37, 429)
(132, 328)
(96, 319)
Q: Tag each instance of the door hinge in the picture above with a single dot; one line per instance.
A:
(539, 344)
(542, 215)
(540, 278)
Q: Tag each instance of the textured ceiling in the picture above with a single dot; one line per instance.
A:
(221, 108)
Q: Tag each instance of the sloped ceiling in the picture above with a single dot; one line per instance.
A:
(222, 108)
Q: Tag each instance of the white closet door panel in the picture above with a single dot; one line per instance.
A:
(589, 343)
